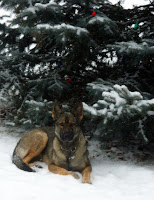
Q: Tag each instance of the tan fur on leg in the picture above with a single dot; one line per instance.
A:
(86, 175)
(61, 171)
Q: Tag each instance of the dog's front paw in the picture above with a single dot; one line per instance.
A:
(86, 180)
(75, 176)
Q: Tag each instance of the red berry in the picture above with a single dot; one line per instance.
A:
(69, 80)
(94, 13)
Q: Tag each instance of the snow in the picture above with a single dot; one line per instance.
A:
(32, 46)
(150, 113)
(36, 103)
(115, 96)
(51, 3)
(90, 109)
(112, 180)
(111, 59)
(62, 3)
(10, 123)
(98, 19)
(63, 26)
(38, 6)
(132, 47)
(128, 4)
(141, 127)
(6, 16)
(146, 102)
(2, 98)
(115, 101)
(31, 9)
(125, 92)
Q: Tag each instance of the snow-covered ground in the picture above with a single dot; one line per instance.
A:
(128, 4)
(112, 180)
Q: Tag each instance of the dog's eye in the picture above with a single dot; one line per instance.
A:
(72, 124)
(61, 124)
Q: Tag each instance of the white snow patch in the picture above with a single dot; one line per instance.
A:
(114, 95)
(32, 46)
(112, 180)
(10, 123)
(150, 113)
(6, 16)
(31, 9)
(90, 109)
(98, 19)
(128, 4)
(63, 26)
(132, 46)
(36, 103)
(93, 63)
(146, 102)
(44, 6)
(62, 3)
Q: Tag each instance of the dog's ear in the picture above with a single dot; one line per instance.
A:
(77, 111)
(57, 110)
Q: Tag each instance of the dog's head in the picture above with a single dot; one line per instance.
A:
(67, 128)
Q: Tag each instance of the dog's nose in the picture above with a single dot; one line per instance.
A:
(68, 136)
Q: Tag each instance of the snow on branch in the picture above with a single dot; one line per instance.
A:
(38, 6)
(132, 47)
(63, 26)
(103, 19)
(35, 103)
(47, 5)
(105, 25)
(117, 100)
(141, 130)
(89, 109)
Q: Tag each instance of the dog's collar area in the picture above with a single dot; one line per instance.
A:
(70, 152)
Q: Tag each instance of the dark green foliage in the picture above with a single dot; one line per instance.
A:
(49, 42)
(121, 114)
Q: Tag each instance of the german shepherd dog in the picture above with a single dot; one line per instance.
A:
(62, 148)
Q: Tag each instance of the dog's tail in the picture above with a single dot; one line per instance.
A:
(19, 163)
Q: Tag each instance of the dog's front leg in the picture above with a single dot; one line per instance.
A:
(61, 171)
(86, 175)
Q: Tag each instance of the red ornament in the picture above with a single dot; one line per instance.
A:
(69, 80)
(94, 13)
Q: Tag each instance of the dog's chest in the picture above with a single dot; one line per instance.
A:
(68, 159)
(65, 158)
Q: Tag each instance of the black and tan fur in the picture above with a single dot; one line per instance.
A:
(62, 148)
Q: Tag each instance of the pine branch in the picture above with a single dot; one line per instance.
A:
(147, 5)
(134, 20)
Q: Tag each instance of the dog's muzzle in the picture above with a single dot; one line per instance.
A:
(67, 136)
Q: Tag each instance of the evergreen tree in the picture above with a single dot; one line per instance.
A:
(55, 48)
(121, 114)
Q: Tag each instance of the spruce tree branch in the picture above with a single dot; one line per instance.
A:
(148, 5)
(23, 102)
(134, 20)
(87, 6)
(56, 82)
